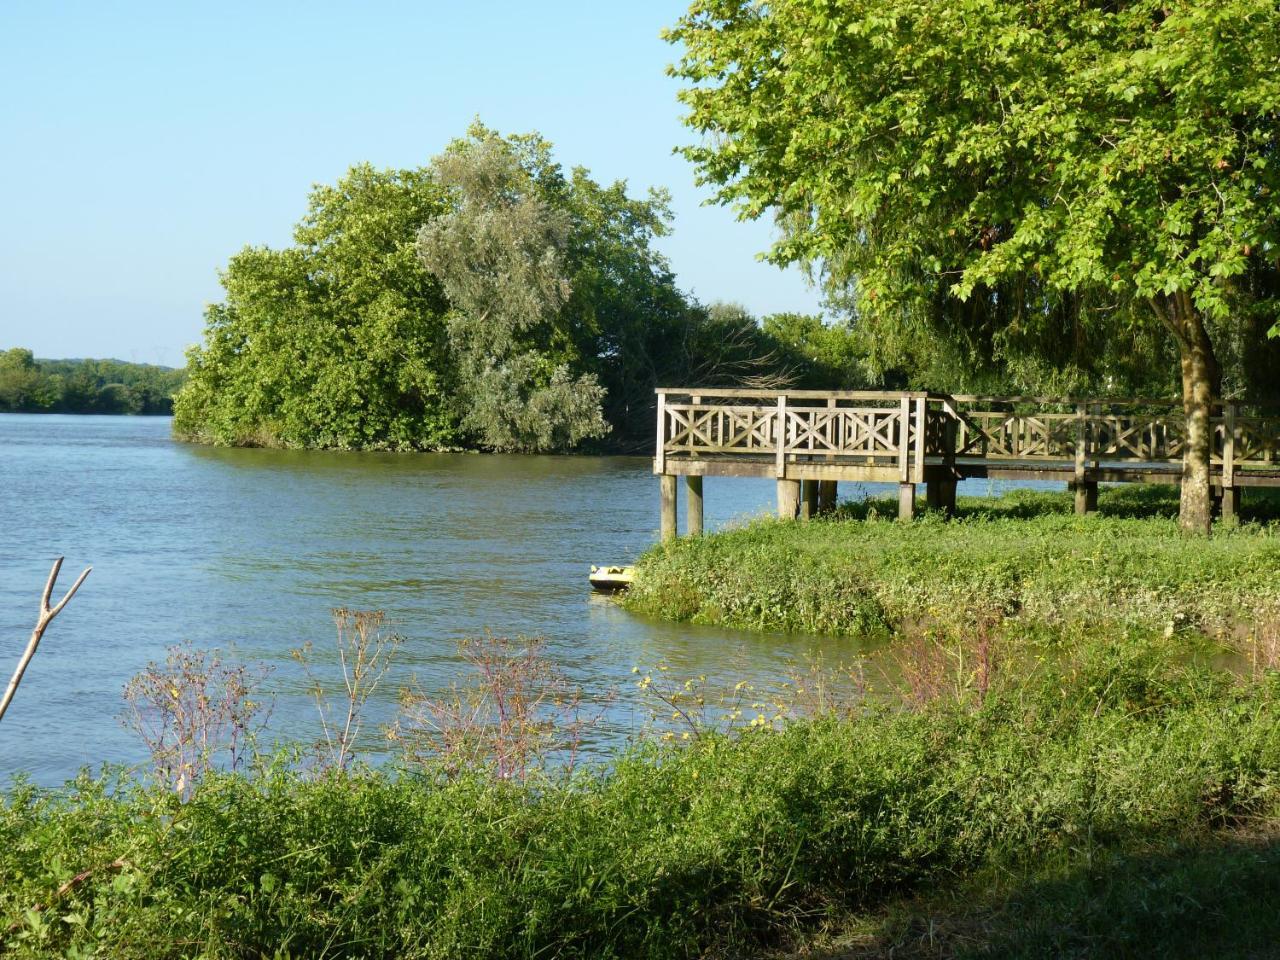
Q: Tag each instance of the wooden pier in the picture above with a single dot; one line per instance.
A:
(810, 440)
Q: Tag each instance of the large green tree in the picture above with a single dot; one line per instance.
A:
(1010, 163)
(487, 300)
(337, 341)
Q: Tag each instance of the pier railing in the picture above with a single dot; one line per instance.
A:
(872, 427)
(910, 430)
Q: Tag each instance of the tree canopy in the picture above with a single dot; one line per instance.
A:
(490, 299)
(1042, 177)
(336, 341)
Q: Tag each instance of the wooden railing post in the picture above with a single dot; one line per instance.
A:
(660, 458)
(941, 487)
(906, 486)
(920, 440)
(904, 430)
(780, 436)
(1230, 494)
(1086, 492)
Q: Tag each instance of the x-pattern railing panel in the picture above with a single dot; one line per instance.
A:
(1257, 440)
(1000, 434)
(830, 431)
(881, 427)
(740, 429)
(1147, 437)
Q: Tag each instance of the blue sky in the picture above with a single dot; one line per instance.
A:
(142, 144)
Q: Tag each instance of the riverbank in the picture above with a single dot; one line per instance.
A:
(1024, 556)
(1036, 792)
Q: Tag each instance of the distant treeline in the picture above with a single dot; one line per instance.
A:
(28, 385)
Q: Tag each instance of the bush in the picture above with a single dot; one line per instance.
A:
(721, 846)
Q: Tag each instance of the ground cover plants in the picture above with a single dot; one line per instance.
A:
(1024, 555)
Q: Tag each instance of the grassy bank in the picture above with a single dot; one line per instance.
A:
(1023, 556)
(731, 846)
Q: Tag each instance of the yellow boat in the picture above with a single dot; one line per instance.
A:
(611, 578)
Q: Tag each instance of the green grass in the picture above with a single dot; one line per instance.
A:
(1024, 555)
(730, 847)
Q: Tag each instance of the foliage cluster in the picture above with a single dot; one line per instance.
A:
(1078, 193)
(28, 385)
(491, 299)
(721, 846)
(1023, 555)
(1006, 184)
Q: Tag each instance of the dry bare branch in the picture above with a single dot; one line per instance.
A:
(47, 614)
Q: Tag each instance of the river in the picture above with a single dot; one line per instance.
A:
(248, 551)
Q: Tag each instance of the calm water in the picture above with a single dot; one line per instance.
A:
(249, 550)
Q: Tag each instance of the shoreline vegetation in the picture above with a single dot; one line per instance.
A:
(1090, 775)
(1023, 557)
(1014, 810)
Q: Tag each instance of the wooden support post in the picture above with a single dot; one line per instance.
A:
(933, 490)
(906, 501)
(1231, 503)
(667, 496)
(808, 499)
(1086, 492)
(693, 504)
(949, 496)
(788, 499)
(1230, 492)
(827, 494)
(1079, 485)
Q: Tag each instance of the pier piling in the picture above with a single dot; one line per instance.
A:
(827, 496)
(693, 504)
(906, 501)
(788, 499)
(808, 499)
(667, 495)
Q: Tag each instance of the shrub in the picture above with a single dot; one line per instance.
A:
(720, 846)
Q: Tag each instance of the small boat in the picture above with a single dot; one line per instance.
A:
(609, 579)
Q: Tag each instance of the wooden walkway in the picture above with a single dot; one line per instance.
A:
(810, 440)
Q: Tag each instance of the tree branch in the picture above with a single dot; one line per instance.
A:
(1169, 323)
(46, 617)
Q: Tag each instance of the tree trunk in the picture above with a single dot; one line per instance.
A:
(1201, 392)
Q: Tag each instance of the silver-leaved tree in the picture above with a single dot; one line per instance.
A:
(502, 256)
